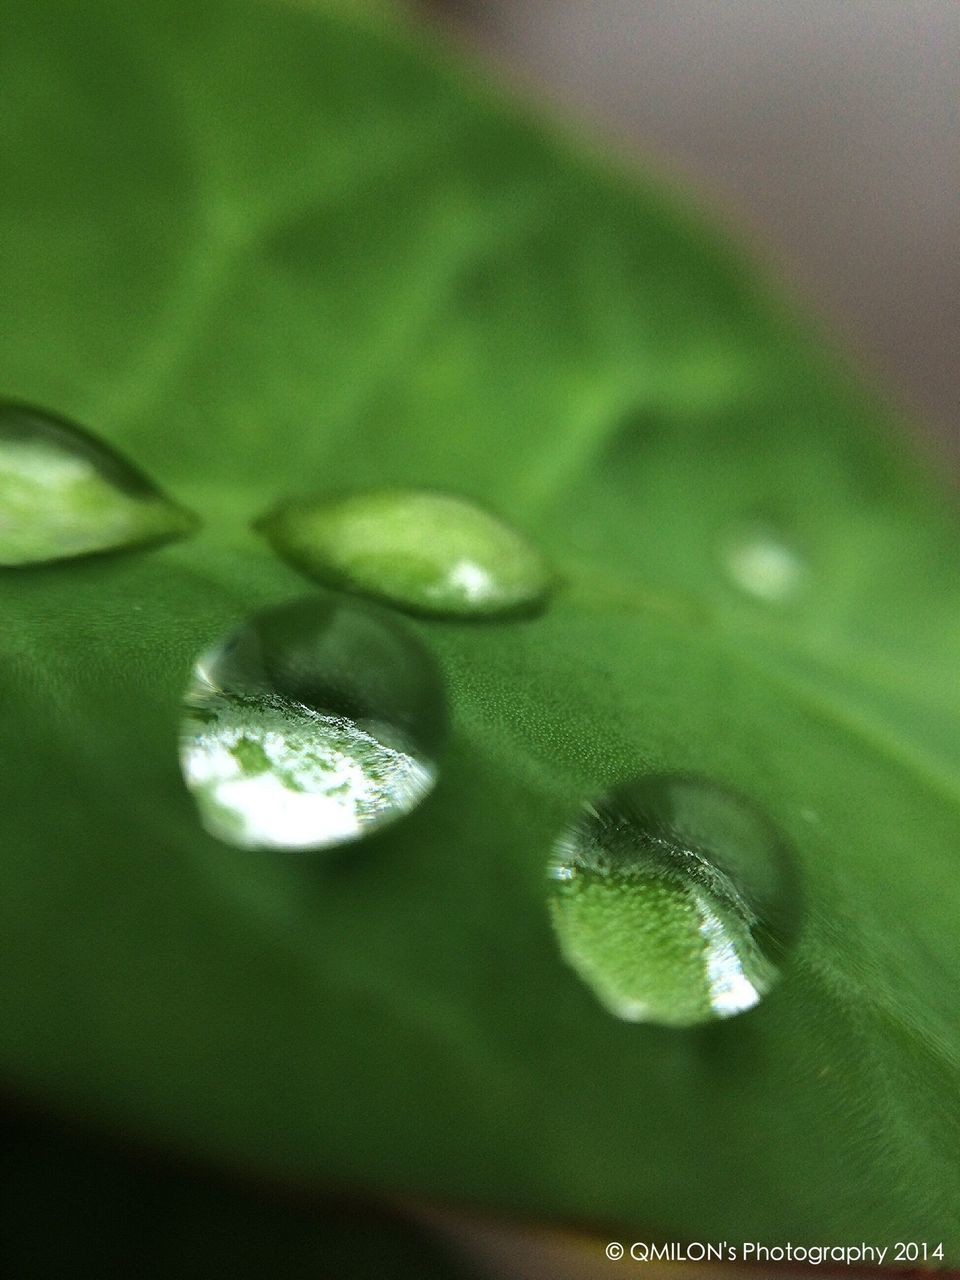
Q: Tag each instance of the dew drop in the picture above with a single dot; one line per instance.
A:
(64, 494)
(673, 899)
(762, 564)
(423, 551)
(311, 725)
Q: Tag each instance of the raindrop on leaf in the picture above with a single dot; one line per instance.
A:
(423, 551)
(65, 494)
(762, 564)
(674, 900)
(312, 725)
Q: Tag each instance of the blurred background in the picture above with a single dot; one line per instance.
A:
(827, 131)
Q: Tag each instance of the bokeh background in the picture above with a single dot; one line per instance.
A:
(827, 131)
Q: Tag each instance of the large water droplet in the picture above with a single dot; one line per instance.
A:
(65, 494)
(427, 552)
(310, 726)
(674, 901)
(762, 564)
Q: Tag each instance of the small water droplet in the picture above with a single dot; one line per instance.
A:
(427, 552)
(673, 899)
(763, 565)
(64, 494)
(310, 726)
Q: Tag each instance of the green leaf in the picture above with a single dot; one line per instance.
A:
(265, 249)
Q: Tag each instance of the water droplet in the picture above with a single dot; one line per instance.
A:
(673, 899)
(427, 552)
(311, 725)
(65, 494)
(762, 564)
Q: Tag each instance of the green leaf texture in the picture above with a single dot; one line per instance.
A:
(267, 250)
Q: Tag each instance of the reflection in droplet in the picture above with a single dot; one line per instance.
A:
(64, 494)
(673, 900)
(312, 725)
(763, 565)
(427, 552)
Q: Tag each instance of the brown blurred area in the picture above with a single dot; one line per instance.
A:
(829, 130)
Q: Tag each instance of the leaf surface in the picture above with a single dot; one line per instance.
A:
(269, 249)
